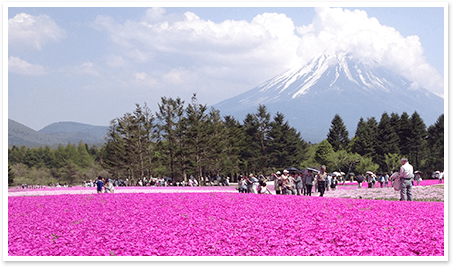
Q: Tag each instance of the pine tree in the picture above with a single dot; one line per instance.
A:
(278, 148)
(217, 151)
(251, 151)
(338, 134)
(196, 124)
(365, 137)
(84, 157)
(418, 140)
(129, 146)
(435, 143)
(169, 118)
(263, 129)
(405, 134)
(11, 175)
(387, 140)
(236, 139)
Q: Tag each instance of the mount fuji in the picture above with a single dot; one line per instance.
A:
(310, 95)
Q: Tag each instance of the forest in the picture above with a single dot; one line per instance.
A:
(181, 140)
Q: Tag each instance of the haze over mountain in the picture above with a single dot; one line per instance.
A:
(310, 95)
(54, 134)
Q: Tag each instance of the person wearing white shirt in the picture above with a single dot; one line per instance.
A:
(406, 175)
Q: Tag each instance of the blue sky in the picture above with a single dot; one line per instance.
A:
(91, 65)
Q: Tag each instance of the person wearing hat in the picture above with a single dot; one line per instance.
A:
(286, 184)
(321, 180)
(406, 175)
(277, 182)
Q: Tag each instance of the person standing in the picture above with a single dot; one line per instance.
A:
(298, 183)
(277, 182)
(406, 175)
(381, 180)
(386, 179)
(285, 181)
(328, 181)
(99, 185)
(321, 180)
(418, 178)
(309, 183)
(255, 183)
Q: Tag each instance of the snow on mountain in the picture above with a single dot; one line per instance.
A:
(310, 95)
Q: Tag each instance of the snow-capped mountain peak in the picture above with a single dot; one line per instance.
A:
(346, 85)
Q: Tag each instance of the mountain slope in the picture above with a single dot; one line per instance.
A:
(54, 134)
(19, 135)
(74, 132)
(310, 95)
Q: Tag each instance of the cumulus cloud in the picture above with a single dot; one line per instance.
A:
(185, 49)
(18, 66)
(30, 31)
(339, 30)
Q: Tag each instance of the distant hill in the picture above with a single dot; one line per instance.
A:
(72, 131)
(19, 135)
(55, 134)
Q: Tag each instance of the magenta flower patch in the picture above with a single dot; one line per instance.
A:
(221, 224)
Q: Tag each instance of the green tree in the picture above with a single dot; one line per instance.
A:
(324, 150)
(285, 146)
(251, 151)
(405, 134)
(387, 140)
(338, 134)
(236, 139)
(435, 144)
(365, 137)
(217, 151)
(85, 159)
(392, 162)
(366, 164)
(128, 150)
(196, 124)
(10, 175)
(418, 140)
(343, 161)
(169, 120)
(263, 128)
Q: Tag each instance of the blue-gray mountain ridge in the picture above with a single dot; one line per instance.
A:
(55, 134)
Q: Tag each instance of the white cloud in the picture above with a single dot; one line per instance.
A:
(175, 76)
(25, 30)
(86, 68)
(140, 76)
(18, 66)
(335, 29)
(187, 50)
(115, 61)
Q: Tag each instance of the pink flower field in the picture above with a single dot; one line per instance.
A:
(221, 224)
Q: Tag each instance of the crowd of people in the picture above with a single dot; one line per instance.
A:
(295, 182)
(305, 182)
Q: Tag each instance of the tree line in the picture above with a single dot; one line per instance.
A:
(379, 146)
(181, 140)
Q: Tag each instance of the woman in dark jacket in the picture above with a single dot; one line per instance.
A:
(309, 182)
